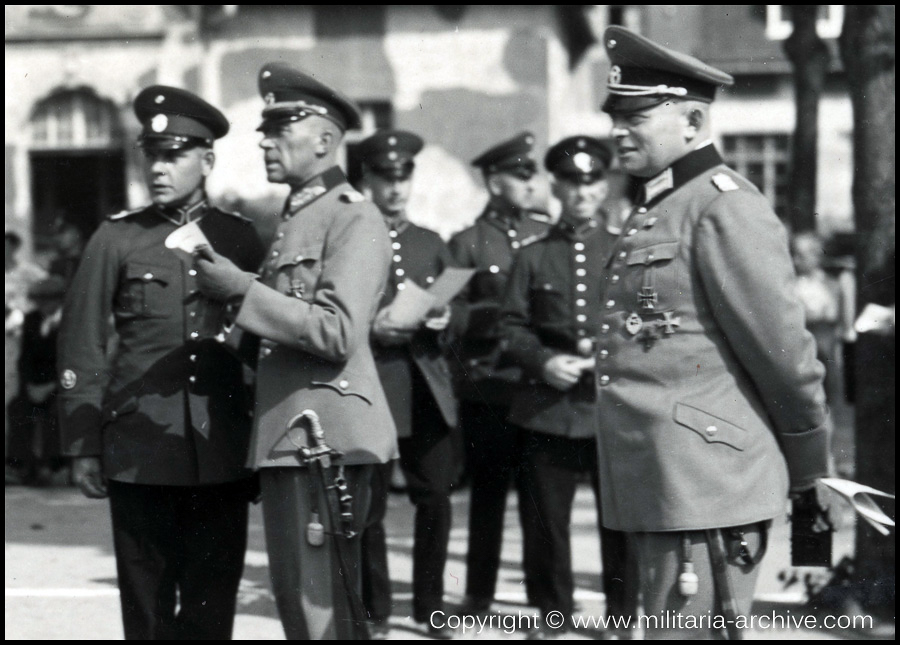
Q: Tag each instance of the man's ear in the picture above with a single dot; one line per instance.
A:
(327, 141)
(208, 161)
(695, 122)
(493, 185)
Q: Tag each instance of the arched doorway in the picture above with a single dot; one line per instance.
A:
(77, 162)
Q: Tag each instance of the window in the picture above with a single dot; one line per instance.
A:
(75, 119)
(779, 25)
(765, 160)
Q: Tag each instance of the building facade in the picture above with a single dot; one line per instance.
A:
(462, 76)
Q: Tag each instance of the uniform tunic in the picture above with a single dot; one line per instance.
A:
(170, 407)
(710, 392)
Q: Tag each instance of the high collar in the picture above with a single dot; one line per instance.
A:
(580, 229)
(504, 217)
(305, 194)
(397, 223)
(180, 215)
(679, 173)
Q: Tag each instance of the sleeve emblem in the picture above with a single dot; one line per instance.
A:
(68, 379)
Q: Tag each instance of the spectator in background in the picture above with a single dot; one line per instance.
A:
(68, 242)
(828, 305)
(34, 452)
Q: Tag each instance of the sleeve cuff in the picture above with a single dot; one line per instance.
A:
(806, 454)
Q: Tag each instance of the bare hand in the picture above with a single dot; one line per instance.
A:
(87, 474)
(439, 321)
(563, 371)
(387, 333)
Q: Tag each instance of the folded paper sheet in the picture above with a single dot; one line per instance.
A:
(858, 496)
(187, 238)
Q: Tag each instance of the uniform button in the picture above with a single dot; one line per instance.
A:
(610, 304)
(396, 246)
(581, 302)
(650, 257)
(515, 244)
(280, 235)
(604, 353)
(113, 414)
(193, 314)
(580, 273)
(623, 254)
(604, 328)
(580, 287)
(265, 351)
(195, 335)
(401, 287)
(344, 385)
(193, 358)
(399, 272)
(429, 279)
(711, 430)
(392, 233)
(494, 269)
(192, 379)
(581, 318)
(148, 276)
(632, 231)
(397, 258)
(642, 210)
(274, 254)
(614, 279)
(579, 246)
(581, 332)
(192, 272)
(511, 232)
(604, 380)
(580, 258)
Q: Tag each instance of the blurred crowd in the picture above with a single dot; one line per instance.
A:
(34, 300)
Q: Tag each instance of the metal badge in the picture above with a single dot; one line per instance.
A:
(585, 347)
(647, 298)
(68, 379)
(669, 322)
(297, 288)
(634, 324)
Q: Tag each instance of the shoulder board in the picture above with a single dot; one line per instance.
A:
(538, 216)
(724, 183)
(352, 197)
(528, 241)
(125, 214)
(236, 215)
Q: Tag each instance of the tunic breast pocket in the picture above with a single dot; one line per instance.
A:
(298, 273)
(146, 291)
(656, 270)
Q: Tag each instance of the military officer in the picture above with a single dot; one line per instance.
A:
(412, 366)
(709, 391)
(162, 427)
(548, 323)
(484, 386)
(312, 308)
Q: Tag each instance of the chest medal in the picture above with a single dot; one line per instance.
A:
(634, 324)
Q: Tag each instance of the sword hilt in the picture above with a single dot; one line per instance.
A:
(317, 449)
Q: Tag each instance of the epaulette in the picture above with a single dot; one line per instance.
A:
(724, 182)
(236, 215)
(352, 197)
(538, 216)
(124, 214)
(537, 237)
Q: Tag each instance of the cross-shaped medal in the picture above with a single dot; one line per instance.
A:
(647, 298)
(669, 322)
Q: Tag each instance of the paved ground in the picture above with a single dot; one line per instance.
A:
(61, 583)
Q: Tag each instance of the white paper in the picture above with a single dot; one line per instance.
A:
(187, 238)
(857, 495)
(449, 283)
(410, 306)
(874, 318)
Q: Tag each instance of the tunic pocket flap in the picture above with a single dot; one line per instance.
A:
(147, 273)
(655, 253)
(346, 386)
(711, 428)
(296, 256)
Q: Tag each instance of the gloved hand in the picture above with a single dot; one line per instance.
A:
(218, 277)
(87, 474)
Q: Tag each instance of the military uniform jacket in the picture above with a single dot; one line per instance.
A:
(313, 308)
(710, 393)
(551, 307)
(419, 255)
(489, 245)
(170, 406)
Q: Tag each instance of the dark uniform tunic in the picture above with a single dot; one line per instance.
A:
(710, 394)
(485, 386)
(419, 389)
(167, 413)
(551, 307)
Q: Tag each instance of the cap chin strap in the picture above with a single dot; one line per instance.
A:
(643, 90)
